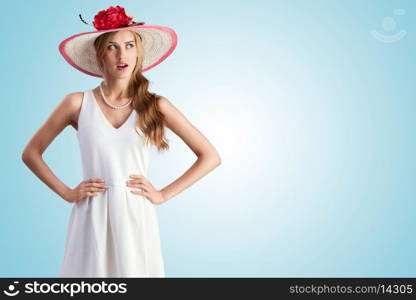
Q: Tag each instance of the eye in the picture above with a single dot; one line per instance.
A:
(132, 45)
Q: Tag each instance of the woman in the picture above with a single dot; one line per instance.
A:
(113, 228)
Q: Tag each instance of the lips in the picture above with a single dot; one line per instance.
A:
(122, 65)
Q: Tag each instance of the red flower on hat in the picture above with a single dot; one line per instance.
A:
(112, 17)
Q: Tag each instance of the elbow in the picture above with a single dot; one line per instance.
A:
(27, 156)
(218, 161)
(213, 160)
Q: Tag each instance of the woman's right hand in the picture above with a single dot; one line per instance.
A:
(87, 188)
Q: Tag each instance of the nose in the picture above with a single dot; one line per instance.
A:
(121, 54)
(121, 57)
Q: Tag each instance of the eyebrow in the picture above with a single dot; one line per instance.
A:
(124, 42)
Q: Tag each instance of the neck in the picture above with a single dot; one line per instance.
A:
(115, 88)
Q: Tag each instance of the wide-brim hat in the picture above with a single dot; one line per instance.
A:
(158, 42)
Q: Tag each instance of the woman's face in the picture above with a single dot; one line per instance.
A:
(121, 48)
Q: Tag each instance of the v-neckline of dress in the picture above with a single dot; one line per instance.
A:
(105, 118)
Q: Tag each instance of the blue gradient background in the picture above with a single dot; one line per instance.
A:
(313, 118)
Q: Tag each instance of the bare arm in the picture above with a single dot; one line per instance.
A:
(61, 117)
(208, 157)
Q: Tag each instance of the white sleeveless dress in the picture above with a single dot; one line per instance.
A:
(116, 233)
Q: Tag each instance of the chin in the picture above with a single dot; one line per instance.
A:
(123, 75)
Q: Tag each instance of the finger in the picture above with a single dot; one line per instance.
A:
(139, 192)
(142, 179)
(137, 176)
(136, 181)
(97, 185)
(96, 189)
(140, 186)
(94, 179)
(93, 189)
(92, 194)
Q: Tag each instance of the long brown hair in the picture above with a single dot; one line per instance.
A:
(151, 119)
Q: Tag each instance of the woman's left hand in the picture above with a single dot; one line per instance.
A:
(147, 189)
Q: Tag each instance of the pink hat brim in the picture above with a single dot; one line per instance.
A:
(172, 47)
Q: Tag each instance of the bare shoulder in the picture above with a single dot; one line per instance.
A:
(68, 109)
(176, 121)
(163, 101)
(63, 115)
(72, 104)
(166, 106)
(170, 111)
(74, 98)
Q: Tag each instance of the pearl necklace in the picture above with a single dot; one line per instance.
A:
(112, 105)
